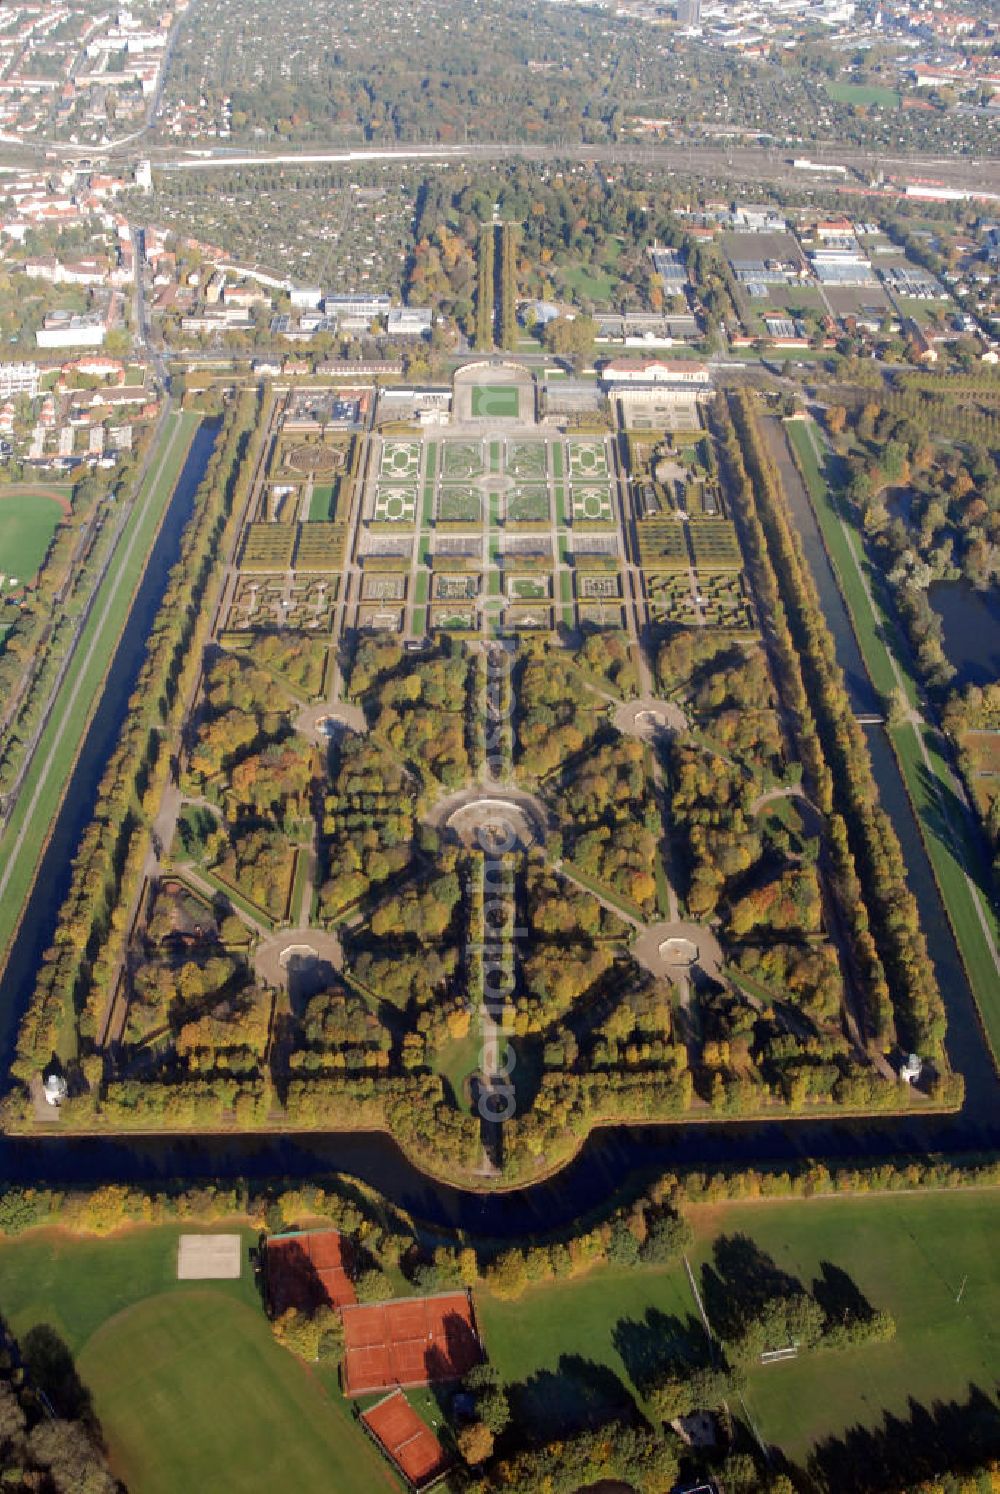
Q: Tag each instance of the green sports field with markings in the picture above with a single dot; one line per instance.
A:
(28, 520)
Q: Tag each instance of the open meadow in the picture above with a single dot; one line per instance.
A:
(157, 1354)
(186, 1378)
(577, 1347)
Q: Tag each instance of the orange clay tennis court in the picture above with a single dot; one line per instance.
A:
(405, 1439)
(411, 1341)
(307, 1269)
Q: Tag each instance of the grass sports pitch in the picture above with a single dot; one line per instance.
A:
(496, 402)
(27, 523)
(158, 1354)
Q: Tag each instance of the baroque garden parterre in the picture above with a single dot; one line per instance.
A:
(495, 800)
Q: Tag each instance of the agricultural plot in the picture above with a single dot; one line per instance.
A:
(715, 545)
(395, 505)
(268, 547)
(400, 461)
(662, 545)
(592, 505)
(380, 586)
(527, 505)
(587, 459)
(461, 460)
(529, 588)
(452, 588)
(321, 547)
(526, 460)
(459, 505)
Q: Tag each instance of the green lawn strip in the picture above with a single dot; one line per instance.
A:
(420, 590)
(662, 893)
(494, 456)
(320, 503)
(427, 516)
(848, 560)
(419, 621)
(53, 761)
(620, 901)
(298, 912)
(557, 461)
(952, 850)
(27, 523)
(566, 586)
(235, 897)
(495, 583)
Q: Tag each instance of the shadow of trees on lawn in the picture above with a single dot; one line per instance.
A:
(578, 1395)
(902, 1452)
(657, 1343)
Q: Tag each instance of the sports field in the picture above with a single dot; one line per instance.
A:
(495, 402)
(28, 520)
(574, 1343)
(187, 1379)
(864, 94)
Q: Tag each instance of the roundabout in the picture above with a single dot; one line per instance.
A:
(300, 961)
(649, 717)
(324, 723)
(678, 949)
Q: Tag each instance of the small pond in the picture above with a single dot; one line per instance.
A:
(971, 621)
